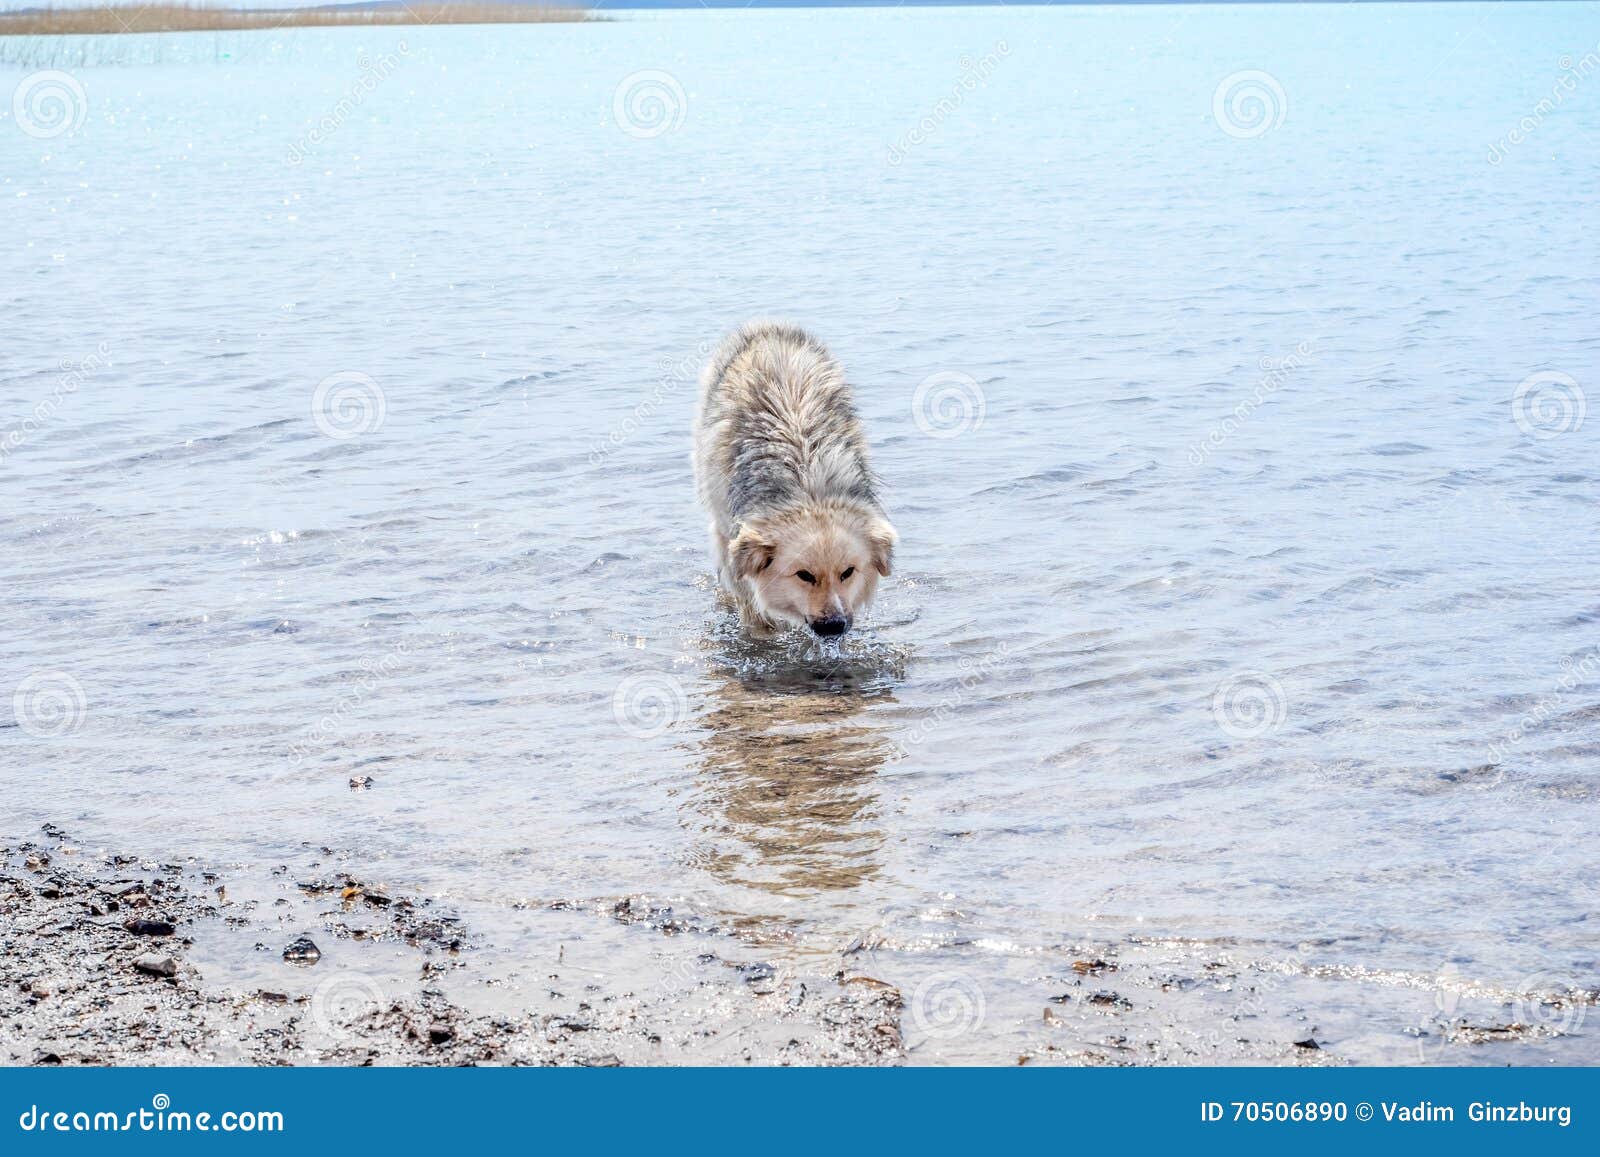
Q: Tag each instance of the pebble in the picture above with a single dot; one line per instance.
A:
(156, 965)
(149, 927)
(302, 951)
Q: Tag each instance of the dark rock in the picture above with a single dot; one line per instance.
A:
(440, 1033)
(273, 997)
(149, 927)
(1308, 1043)
(154, 965)
(302, 951)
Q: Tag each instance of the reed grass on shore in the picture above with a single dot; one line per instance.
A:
(116, 18)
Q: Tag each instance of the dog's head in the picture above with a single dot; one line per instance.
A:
(815, 567)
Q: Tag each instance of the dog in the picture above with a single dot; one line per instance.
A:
(798, 537)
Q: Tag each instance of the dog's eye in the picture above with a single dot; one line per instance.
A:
(805, 576)
(848, 571)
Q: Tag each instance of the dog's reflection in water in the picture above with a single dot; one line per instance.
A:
(787, 793)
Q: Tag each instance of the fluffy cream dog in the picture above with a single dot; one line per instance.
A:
(780, 462)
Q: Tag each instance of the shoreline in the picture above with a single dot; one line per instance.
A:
(128, 19)
(106, 959)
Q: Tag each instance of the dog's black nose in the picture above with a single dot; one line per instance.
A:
(828, 628)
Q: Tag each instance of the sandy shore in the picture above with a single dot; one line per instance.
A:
(126, 18)
(105, 960)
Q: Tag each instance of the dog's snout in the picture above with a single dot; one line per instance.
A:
(828, 628)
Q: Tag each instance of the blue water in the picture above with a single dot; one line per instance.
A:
(1245, 627)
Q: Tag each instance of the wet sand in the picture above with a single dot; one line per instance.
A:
(106, 959)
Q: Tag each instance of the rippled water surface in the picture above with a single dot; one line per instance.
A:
(1246, 605)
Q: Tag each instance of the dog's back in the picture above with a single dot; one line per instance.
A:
(776, 427)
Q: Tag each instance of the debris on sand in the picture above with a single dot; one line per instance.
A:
(152, 964)
(303, 951)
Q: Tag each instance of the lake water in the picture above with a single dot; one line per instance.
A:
(1227, 371)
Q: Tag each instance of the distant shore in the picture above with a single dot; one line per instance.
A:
(119, 18)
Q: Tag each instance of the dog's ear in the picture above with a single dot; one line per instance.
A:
(751, 551)
(881, 538)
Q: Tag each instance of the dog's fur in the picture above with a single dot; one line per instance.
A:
(781, 465)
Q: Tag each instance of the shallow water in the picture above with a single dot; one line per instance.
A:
(1245, 607)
